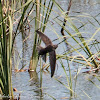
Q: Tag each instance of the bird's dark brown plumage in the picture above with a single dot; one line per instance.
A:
(50, 48)
(52, 58)
(44, 38)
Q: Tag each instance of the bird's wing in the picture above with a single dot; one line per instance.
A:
(44, 38)
(52, 57)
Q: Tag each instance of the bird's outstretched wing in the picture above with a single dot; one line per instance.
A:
(52, 58)
(44, 38)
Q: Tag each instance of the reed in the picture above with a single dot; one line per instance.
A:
(68, 79)
(42, 16)
(7, 39)
(81, 44)
(82, 47)
(6, 29)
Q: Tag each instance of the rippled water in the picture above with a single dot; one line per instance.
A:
(51, 88)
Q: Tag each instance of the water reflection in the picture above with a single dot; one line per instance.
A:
(34, 81)
(85, 89)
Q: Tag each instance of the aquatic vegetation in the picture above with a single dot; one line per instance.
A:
(79, 38)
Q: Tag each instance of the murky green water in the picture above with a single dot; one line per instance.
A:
(84, 89)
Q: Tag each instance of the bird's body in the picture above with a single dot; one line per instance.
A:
(50, 48)
(45, 50)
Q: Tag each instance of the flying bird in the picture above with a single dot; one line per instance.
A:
(50, 48)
